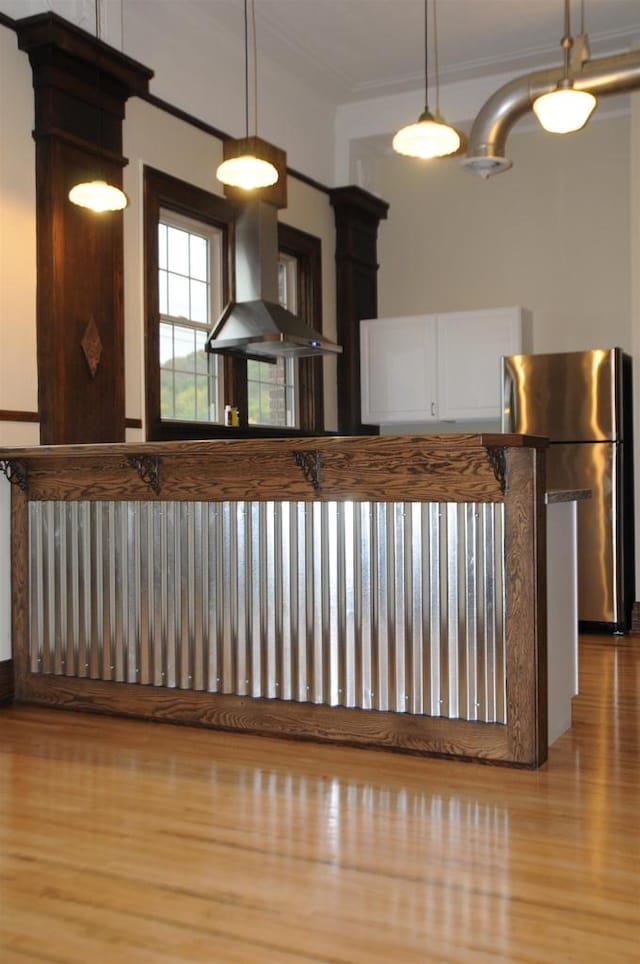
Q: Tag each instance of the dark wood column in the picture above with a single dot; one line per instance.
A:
(357, 215)
(81, 86)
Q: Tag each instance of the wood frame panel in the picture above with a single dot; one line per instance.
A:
(485, 468)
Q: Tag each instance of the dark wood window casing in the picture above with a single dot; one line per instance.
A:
(162, 191)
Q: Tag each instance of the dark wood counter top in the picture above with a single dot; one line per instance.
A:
(438, 467)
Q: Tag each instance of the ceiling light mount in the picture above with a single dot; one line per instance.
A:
(430, 136)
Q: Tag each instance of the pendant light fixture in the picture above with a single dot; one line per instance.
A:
(430, 136)
(98, 195)
(246, 169)
(565, 109)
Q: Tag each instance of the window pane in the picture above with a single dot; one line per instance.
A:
(178, 250)
(184, 357)
(162, 282)
(185, 396)
(205, 411)
(162, 245)
(199, 311)
(202, 357)
(166, 343)
(199, 265)
(166, 394)
(178, 296)
(269, 401)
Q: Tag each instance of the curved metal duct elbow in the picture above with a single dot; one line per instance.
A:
(486, 146)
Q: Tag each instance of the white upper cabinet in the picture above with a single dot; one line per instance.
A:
(422, 368)
(470, 346)
(398, 369)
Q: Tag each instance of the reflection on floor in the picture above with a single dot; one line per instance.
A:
(125, 841)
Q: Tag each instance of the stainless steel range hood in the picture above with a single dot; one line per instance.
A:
(255, 324)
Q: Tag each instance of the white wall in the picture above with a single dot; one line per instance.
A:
(552, 234)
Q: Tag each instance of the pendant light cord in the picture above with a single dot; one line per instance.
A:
(255, 68)
(246, 71)
(435, 55)
(101, 160)
(426, 56)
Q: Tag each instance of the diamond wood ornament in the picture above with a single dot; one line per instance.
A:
(92, 347)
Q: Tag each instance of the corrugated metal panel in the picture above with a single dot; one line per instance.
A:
(389, 606)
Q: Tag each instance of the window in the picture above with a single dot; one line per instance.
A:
(272, 389)
(190, 297)
(188, 240)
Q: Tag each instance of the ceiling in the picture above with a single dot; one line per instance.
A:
(355, 49)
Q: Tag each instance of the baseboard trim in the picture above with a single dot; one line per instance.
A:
(6, 681)
(635, 618)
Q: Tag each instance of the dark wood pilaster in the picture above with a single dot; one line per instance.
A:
(81, 86)
(357, 216)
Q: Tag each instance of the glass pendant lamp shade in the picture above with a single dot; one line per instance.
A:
(429, 137)
(564, 110)
(98, 196)
(247, 172)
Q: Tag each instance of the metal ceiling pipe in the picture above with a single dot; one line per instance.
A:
(485, 153)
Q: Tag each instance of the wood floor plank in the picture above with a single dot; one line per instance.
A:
(127, 841)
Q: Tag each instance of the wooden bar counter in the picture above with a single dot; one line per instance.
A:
(385, 592)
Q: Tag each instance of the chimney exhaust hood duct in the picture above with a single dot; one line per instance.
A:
(255, 324)
(486, 147)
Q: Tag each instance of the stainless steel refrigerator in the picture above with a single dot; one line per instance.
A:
(582, 402)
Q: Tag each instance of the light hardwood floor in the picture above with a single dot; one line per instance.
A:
(126, 842)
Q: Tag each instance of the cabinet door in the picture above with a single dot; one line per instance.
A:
(398, 358)
(470, 346)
